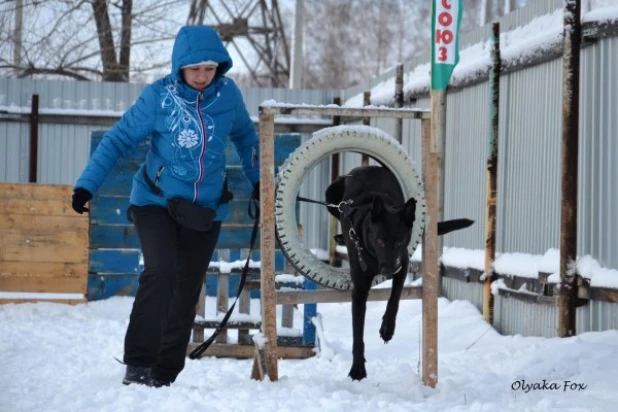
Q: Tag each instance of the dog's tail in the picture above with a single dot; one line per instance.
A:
(451, 225)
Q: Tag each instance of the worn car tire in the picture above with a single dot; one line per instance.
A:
(324, 143)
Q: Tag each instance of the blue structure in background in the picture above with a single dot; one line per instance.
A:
(114, 257)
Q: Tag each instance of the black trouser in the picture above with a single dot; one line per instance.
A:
(175, 264)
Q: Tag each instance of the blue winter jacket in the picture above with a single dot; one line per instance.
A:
(188, 131)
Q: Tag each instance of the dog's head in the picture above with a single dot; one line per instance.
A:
(389, 233)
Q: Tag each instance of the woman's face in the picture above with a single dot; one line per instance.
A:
(199, 77)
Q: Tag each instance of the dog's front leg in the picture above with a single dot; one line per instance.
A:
(359, 307)
(387, 330)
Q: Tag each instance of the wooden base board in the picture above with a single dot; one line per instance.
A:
(226, 350)
(63, 301)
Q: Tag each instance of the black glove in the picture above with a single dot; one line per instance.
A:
(80, 198)
(256, 192)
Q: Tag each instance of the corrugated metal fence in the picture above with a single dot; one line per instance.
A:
(529, 165)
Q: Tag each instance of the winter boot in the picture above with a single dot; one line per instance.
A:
(159, 383)
(137, 374)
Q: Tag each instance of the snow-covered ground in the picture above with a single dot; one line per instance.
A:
(61, 358)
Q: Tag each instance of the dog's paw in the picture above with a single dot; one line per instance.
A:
(387, 330)
(358, 372)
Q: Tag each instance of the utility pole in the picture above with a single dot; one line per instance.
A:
(17, 36)
(296, 76)
(258, 24)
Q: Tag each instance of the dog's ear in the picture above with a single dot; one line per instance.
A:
(377, 209)
(409, 210)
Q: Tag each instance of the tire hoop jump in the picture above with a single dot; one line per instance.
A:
(324, 143)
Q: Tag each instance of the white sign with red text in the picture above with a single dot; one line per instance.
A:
(446, 19)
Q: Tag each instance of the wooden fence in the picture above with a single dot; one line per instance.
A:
(43, 245)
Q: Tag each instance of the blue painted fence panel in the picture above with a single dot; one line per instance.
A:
(114, 247)
(115, 265)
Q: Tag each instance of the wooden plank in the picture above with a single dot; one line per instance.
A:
(44, 284)
(284, 145)
(43, 243)
(200, 310)
(333, 295)
(114, 261)
(61, 301)
(106, 286)
(244, 307)
(223, 292)
(267, 243)
(603, 294)
(120, 181)
(63, 246)
(113, 210)
(42, 269)
(124, 237)
(432, 133)
(231, 324)
(287, 316)
(113, 237)
(528, 297)
(260, 364)
(313, 110)
(28, 207)
(226, 350)
(31, 191)
(42, 224)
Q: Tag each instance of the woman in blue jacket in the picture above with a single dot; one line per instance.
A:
(188, 115)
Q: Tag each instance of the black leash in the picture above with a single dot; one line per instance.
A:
(304, 199)
(254, 213)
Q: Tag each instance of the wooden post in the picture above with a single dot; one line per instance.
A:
(366, 122)
(334, 174)
(198, 331)
(438, 126)
(267, 242)
(244, 307)
(34, 139)
(431, 161)
(570, 147)
(223, 293)
(492, 173)
(399, 102)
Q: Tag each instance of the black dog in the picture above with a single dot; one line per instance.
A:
(377, 227)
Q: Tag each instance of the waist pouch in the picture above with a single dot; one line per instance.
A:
(186, 213)
(190, 215)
